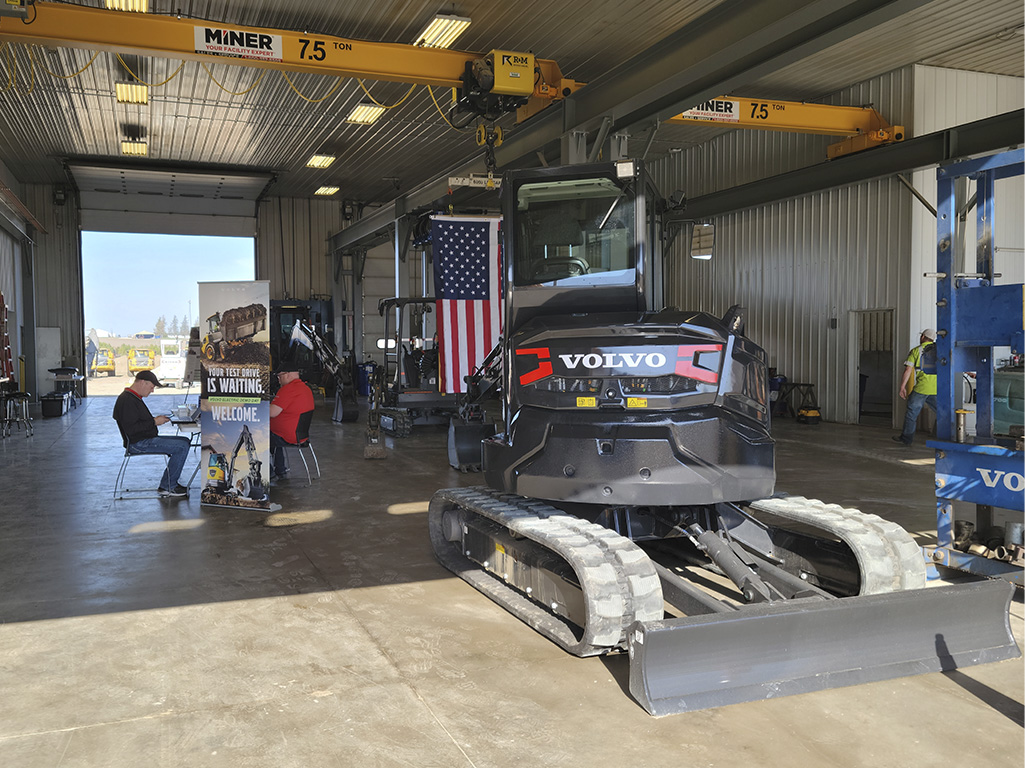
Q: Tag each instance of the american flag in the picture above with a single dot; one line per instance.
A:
(467, 280)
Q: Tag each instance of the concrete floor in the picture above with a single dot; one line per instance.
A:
(159, 633)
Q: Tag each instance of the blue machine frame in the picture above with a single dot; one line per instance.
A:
(973, 317)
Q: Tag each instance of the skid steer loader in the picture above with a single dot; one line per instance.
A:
(630, 498)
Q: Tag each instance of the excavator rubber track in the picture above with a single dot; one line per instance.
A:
(617, 580)
(396, 422)
(725, 652)
(888, 558)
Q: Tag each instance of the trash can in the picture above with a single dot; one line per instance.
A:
(363, 373)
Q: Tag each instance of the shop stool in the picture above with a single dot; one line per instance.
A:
(17, 413)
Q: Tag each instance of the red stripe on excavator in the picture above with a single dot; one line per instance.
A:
(543, 369)
(686, 367)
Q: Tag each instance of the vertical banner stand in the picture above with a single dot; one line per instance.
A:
(234, 330)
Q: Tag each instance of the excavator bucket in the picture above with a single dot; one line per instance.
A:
(771, 650)
(373, 447)
(464, 439)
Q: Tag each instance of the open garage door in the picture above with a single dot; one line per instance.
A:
(121, 199)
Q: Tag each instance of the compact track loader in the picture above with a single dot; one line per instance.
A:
(630, 498)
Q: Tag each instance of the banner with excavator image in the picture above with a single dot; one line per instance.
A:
(235, 395)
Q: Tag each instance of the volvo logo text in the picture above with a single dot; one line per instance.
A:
(614, 360)
(700, 362)
(1013, 481)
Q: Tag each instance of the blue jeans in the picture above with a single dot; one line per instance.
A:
(279, 462)
(916, 400)
(175, 448)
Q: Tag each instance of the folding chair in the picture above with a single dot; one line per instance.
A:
(120, 491)
(302, 435)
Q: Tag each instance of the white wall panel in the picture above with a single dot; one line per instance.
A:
(10, 287)
(378, 283)
(943, 98)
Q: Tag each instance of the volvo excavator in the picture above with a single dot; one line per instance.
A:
(221, 485)
(341, 370)
(630, 502)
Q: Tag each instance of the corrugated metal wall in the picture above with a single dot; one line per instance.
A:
(801, 267)
(946, 97)
(58, 272)
(876, 331)
(292, 248)
(805, 265)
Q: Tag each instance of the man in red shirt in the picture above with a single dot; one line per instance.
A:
(294, 398)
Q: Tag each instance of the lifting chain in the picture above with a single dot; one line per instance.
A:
(489, 138)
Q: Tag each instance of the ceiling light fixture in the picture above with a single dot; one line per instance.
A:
(133, 148)
(131, 93)
(442, 31)
(320, 161)
(326, 191)
(365, 114)
(133, 6)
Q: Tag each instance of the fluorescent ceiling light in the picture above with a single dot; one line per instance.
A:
(131, 93)
(320, 161)
(442, 31)
(365, 114)
(136, 148)
(326, 191)
(135, 6)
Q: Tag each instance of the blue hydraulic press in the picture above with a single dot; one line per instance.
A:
(974, 316)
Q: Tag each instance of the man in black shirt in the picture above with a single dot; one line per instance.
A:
(139, 431)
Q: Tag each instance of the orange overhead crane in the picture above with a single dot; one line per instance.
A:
(863, 126)
(509, 78)
(490, 84)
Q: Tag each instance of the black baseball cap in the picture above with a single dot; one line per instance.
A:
(150, 377)
(289, 367)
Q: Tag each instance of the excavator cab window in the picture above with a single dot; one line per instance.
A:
(575, 232)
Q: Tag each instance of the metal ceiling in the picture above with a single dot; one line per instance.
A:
(194, 122)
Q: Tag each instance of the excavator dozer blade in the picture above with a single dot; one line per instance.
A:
(771, 650)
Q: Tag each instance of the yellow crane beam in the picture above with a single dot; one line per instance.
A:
(863, 126)
(147, 34)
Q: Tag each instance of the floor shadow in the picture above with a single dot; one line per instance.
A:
(618, 665)
(1005, 705)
